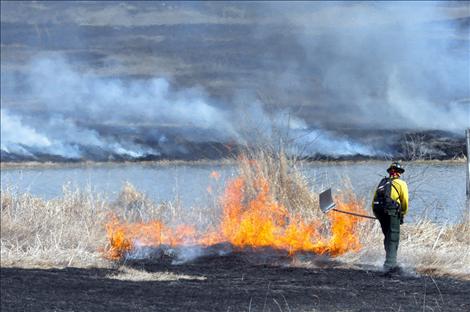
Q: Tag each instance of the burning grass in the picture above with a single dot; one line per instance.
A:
(265, 206)
(268, 205)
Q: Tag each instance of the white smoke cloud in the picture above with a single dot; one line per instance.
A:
(317, 142)
(55, 136)
(427, 114)
(62, 90)
(355, 66)
(15, 135)
(74, 110)
(386, 65)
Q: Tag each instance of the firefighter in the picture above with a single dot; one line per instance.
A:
(390, 205)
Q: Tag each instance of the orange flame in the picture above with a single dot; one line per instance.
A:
(260, 222)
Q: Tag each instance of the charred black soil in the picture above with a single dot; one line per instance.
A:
(229, 283)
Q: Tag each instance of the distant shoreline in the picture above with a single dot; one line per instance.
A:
(202, 162)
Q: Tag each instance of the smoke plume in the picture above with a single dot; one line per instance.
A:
(385, 65)
(169, 80)
(77, 115)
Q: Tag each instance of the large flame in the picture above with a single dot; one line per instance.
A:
(246, 223)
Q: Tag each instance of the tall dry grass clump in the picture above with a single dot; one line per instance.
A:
(287, 184)
(62, 231)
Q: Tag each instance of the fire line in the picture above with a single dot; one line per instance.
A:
(245, 223)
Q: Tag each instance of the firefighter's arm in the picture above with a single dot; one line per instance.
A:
(404, 197)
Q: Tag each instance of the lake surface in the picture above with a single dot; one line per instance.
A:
(437, 190)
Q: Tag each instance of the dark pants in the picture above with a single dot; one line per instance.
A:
(390, 223)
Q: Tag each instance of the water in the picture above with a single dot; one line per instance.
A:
(436, 190)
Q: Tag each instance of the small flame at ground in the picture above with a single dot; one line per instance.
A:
(258, 222)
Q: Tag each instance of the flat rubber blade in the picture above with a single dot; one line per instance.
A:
(326, 201)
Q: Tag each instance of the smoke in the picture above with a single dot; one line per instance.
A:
(73, 110)
(80, 115)
(386, 65)
(15, 135)
(84, 90)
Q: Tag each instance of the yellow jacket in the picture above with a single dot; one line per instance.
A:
(399, 194)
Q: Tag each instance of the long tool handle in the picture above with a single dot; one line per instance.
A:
(355, 214)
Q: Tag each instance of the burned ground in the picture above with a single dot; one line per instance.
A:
(229, 283)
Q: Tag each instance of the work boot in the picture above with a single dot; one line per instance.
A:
(391, 271)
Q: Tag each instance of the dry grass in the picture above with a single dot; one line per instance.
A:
(64, 231)
(69, 231)
(287, 185)
(134, 275)
(425, 248)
